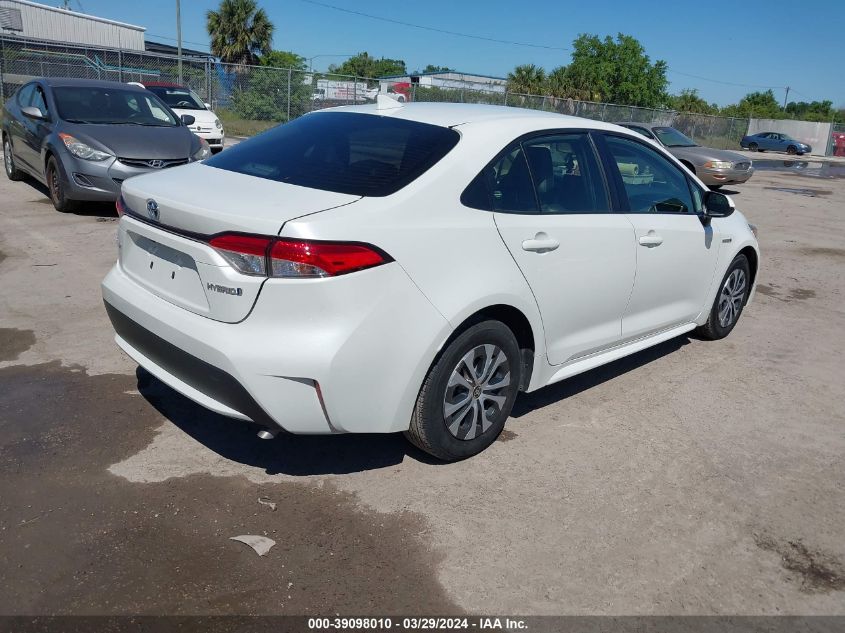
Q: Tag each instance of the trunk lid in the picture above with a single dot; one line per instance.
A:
(170, 256)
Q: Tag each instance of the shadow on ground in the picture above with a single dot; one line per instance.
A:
(86, 208)
(300, 455)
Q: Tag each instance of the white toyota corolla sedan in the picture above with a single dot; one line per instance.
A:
(412, 267)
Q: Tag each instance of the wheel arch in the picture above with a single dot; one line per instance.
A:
(753, 261)
(516, 321)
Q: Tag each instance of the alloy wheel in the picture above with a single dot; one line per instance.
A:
(7, 159)
(55, 185)
(732, 297)
(476, 392)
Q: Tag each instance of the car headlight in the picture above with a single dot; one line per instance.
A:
(718, 164)
(218, 124)
(203, 152)
(81, 150)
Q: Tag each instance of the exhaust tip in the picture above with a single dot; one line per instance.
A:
(264, 434)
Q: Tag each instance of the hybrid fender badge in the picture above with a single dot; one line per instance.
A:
(226, 290)
(152, 209)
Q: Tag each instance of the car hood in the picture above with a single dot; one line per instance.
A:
(700, 155)
(136, 141)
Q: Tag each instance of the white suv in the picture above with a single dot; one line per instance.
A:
(411, 268)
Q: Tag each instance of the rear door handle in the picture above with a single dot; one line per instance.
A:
(651, 240)
(540, 244)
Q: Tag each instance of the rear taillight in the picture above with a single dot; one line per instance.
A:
(120, 206)
(276, 257)
(246, 253)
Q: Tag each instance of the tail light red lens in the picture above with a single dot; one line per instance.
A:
(247, 253)
(300, 258)
(120, 206)
(276, 257)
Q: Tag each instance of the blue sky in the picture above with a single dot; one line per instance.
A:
(754, 43)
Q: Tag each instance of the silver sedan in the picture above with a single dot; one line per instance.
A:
(715, 167)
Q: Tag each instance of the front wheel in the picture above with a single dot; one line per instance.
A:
(56, 186)
(791, 150)
(727, 308)
(12, 172)
(468, 393)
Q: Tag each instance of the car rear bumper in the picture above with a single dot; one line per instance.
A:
(314, 356)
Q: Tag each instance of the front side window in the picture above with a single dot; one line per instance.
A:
(653, 184)
(25, 95)
(111, 106)
(566, 174)
(358, 154)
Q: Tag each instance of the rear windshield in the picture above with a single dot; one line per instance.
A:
(358, 154)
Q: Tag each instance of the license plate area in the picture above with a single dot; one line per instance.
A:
(164, 271)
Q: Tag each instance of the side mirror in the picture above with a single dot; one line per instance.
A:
(207, 106)
(188, 119)
(33, 113)
(717, 205)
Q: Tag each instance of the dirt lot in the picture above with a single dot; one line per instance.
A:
(693, 478)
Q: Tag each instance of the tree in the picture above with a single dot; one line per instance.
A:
(689, 101)
(283, 59)
(527, 79)
(811, 111)
(364, 65)
(240, 32)
(617, 71)
(435, 69)
(760, 105)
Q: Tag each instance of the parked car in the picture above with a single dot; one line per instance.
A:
(715, 167)
(83, 138)
(391, 267)
(183, 100)
(775, 141)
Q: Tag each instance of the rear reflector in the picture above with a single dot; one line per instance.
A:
(276, 257)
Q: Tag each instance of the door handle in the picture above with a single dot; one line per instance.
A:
(651, 240)
(540, 244)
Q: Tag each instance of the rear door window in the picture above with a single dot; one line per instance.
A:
(344, 152)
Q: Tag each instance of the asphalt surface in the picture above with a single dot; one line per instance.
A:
(693, 478)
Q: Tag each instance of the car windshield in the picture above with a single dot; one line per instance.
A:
(112, 106)
(358, 154)
(670, 137)
(176, 97)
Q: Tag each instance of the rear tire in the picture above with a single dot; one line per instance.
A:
(56, 187)
(753, 147)
(730, 300)
(468, 393)
(12, 172)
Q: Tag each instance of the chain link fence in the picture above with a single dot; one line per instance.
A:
(249, 99)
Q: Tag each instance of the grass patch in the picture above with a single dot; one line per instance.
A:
(238, 126)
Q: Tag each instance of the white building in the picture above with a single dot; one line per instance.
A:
(447, 79)
(21, 18)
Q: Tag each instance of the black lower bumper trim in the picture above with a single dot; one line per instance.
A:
(202, 376)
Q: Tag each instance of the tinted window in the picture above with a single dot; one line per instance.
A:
(359, 154)
(566, 174)
(652, 183)
(181, 98)
(643, 131)
(670, 137)
(25, 95)
(104, 106)
(509, 182)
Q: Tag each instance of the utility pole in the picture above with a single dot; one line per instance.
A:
(785, 97)
(179, 36)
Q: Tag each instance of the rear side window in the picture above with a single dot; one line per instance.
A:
(358, 154)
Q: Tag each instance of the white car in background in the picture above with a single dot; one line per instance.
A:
(390, 267)
(183, 100)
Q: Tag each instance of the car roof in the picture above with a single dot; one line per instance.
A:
(161, 84)
(55, 82)
(453, 114)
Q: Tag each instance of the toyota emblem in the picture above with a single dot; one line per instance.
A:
(152, 209)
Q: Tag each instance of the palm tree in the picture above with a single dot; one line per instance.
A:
(239, 31)
(527, 79)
